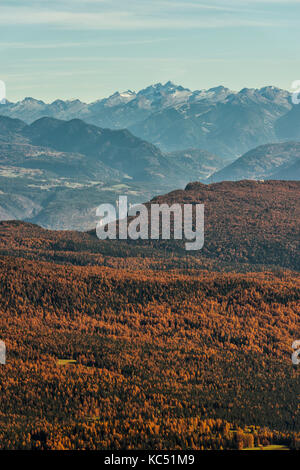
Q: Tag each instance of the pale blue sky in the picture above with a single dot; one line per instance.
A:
(89, 49)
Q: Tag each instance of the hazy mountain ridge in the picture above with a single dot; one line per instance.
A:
(228, 127)
(288, 126)
(56, 172)
(196, 162)
(291, 172)
(119, 110)
(270, 161)
(175, 118)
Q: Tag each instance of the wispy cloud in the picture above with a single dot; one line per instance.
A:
(122, 20)
(194, 40)
(82, 44)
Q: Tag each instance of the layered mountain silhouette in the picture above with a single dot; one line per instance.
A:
(270, 161)
(288, 126)
(93, 148)
(175, 118)
(228, 127)
(57, 172)
(59, 165)
(117, 148)
(291, 172)
(118, 110)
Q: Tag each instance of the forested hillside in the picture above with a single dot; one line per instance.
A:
(248, 225)
(121, 345)
(160, 360)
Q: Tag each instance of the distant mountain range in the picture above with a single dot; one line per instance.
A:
(271, 161)
(120, 110)
(56, 172)
(174, 118)
(287, 126)
(227, 127)
(90, 151)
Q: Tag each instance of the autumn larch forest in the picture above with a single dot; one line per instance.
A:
(141, 345)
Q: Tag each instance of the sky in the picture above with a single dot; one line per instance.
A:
(89, 49)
